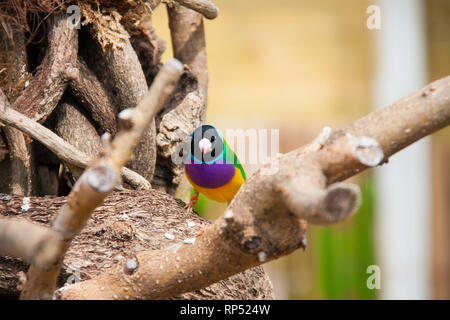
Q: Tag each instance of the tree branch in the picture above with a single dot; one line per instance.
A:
(62, 149)
(36, 244)
(187, 109)
(19, 176)
(127, 222)
(42, 95)
(262, 223)
(130, 86)
(206, 7)
(99, 180)
(91, 94)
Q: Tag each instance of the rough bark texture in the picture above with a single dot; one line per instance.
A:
(64, 150)
(187, 109)
(129, 87)
(93, 96)
(17, 172)
(149, 48)
(46, 88)
(127, 222)
(73, 126)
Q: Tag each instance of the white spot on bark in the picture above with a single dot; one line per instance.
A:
(125, 114)
(169, 236)
(174, 247)
(190, 224)
(189, 241)
(262, 256)
(228, 214)
(324, 135)
(25, 204)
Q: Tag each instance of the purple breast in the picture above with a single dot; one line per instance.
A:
(211, 175)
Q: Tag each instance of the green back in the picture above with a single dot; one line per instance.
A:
(230, 157)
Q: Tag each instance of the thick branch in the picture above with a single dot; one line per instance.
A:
(262, 223)
(20, 172)
(92, 95)
(130, 86)
(187, 109)
(21, 169)
(45, 89)
(400, 124)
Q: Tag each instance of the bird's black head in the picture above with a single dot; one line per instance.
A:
(206, 144)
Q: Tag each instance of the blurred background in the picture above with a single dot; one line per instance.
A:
(298, 65)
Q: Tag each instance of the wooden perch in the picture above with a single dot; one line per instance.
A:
(263, 222)
(99, 180)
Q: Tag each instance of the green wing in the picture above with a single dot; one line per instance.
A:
(230, 156)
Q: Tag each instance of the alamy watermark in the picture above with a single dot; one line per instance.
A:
(250, 145)
(374, 280)
(74, 277)
(373, 22)
(74, 20)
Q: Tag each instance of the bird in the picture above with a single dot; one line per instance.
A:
(212, 168)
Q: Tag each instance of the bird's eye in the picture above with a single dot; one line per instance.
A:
(181, 153)
(212, 139)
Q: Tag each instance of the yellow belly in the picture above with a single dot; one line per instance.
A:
(224, 193)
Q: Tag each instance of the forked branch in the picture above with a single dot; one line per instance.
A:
(266, 218)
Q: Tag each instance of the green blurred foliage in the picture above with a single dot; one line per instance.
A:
(346, 250)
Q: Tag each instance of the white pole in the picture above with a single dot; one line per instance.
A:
(403, 185)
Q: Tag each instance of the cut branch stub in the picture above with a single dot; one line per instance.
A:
(206, 7)
(311, 200)
(350, 153)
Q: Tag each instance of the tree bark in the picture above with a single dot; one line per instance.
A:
(126, 223)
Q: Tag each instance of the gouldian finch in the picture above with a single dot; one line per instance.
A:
(212, 167)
